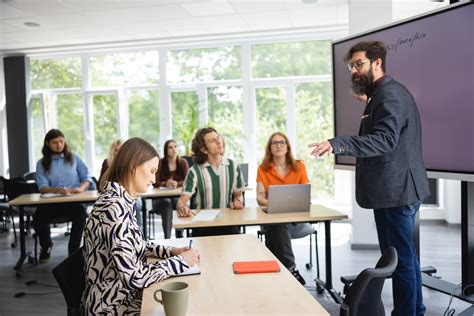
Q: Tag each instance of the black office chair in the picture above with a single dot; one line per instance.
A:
(71, 276)
(13, 188)
(4, 209)
(30, 176)
(189, 159)
(364, 296)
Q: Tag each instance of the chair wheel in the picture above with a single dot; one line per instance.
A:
(32, 260)
(319, 289)
(13, 245)
(19, 273)
(309, 266)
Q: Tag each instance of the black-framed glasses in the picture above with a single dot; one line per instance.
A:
(275, 143)
(358, 64)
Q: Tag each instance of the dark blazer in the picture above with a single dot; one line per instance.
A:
(389, 168)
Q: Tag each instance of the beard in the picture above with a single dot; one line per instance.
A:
(362, 83)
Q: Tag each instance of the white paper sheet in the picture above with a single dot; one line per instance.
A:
(206, 215)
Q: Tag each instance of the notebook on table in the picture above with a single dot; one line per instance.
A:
(288, 198)
(242, 267)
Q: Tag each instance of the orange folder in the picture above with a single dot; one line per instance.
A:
(241, 267)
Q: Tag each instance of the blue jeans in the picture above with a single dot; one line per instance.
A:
(395, 228)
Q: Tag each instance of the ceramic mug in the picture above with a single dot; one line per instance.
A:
(174, 298)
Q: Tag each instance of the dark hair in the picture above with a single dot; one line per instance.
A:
(198, 144)
(373, 50)
(165, 171)
(268, 159)
(133, 153)
(48, 153)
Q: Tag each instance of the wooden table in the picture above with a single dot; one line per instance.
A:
(218, 291)
(255, 216)
(35, 199)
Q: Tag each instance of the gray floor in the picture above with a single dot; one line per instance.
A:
(440, 248)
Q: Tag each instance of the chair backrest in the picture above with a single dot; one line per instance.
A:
(70, 276)
(364, 296)
(30, 176)
(189, 159)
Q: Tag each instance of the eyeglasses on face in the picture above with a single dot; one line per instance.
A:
(358, 64)
(275, 143)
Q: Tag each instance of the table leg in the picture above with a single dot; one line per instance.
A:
(19, 264)
(328, 284)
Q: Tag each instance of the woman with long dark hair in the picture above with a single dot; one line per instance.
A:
(171, 174)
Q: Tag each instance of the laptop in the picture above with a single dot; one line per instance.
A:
(288, 198)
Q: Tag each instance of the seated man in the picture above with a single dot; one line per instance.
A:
(59, 171)
(216, 181)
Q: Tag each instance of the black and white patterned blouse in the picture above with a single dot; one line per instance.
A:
(115, 257)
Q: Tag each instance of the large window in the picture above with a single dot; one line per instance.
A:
(185, 119)
(144, 118)
(127, 95)
(226, 116)
(39, 130)
(124, 69)
(291, 59)
(314, 123)
(207, 64)
(56, 73)
(105, 127)
(271, 115)
(70, 121)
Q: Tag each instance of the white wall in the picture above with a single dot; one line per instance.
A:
(3, 124)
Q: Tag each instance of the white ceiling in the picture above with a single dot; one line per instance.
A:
(72, 23)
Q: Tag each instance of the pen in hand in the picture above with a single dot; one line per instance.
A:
(190, 244)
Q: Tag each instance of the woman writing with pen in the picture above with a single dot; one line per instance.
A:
(115, 252)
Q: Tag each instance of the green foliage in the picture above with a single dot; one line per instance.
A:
(226, 116)
(291, 59)
(70, 121)
(205, 64)
(56, 73)
(144, 116)
(105, 125)
(271, 115)
(314, 123)
(124, 69)
(185, 118)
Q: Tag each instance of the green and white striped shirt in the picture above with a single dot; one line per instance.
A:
(213, 187)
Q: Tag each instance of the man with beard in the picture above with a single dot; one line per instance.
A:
(390, 173)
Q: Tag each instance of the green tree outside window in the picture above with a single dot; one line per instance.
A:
(56, 73)
(144, 116)
(70, 121)
(206, 64)
(185, 119)
(226, 116)
(314, 122)
(271, 116)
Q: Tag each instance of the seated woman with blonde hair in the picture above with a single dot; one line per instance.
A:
(115, 253)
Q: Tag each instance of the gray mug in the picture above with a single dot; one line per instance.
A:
(174, 298)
